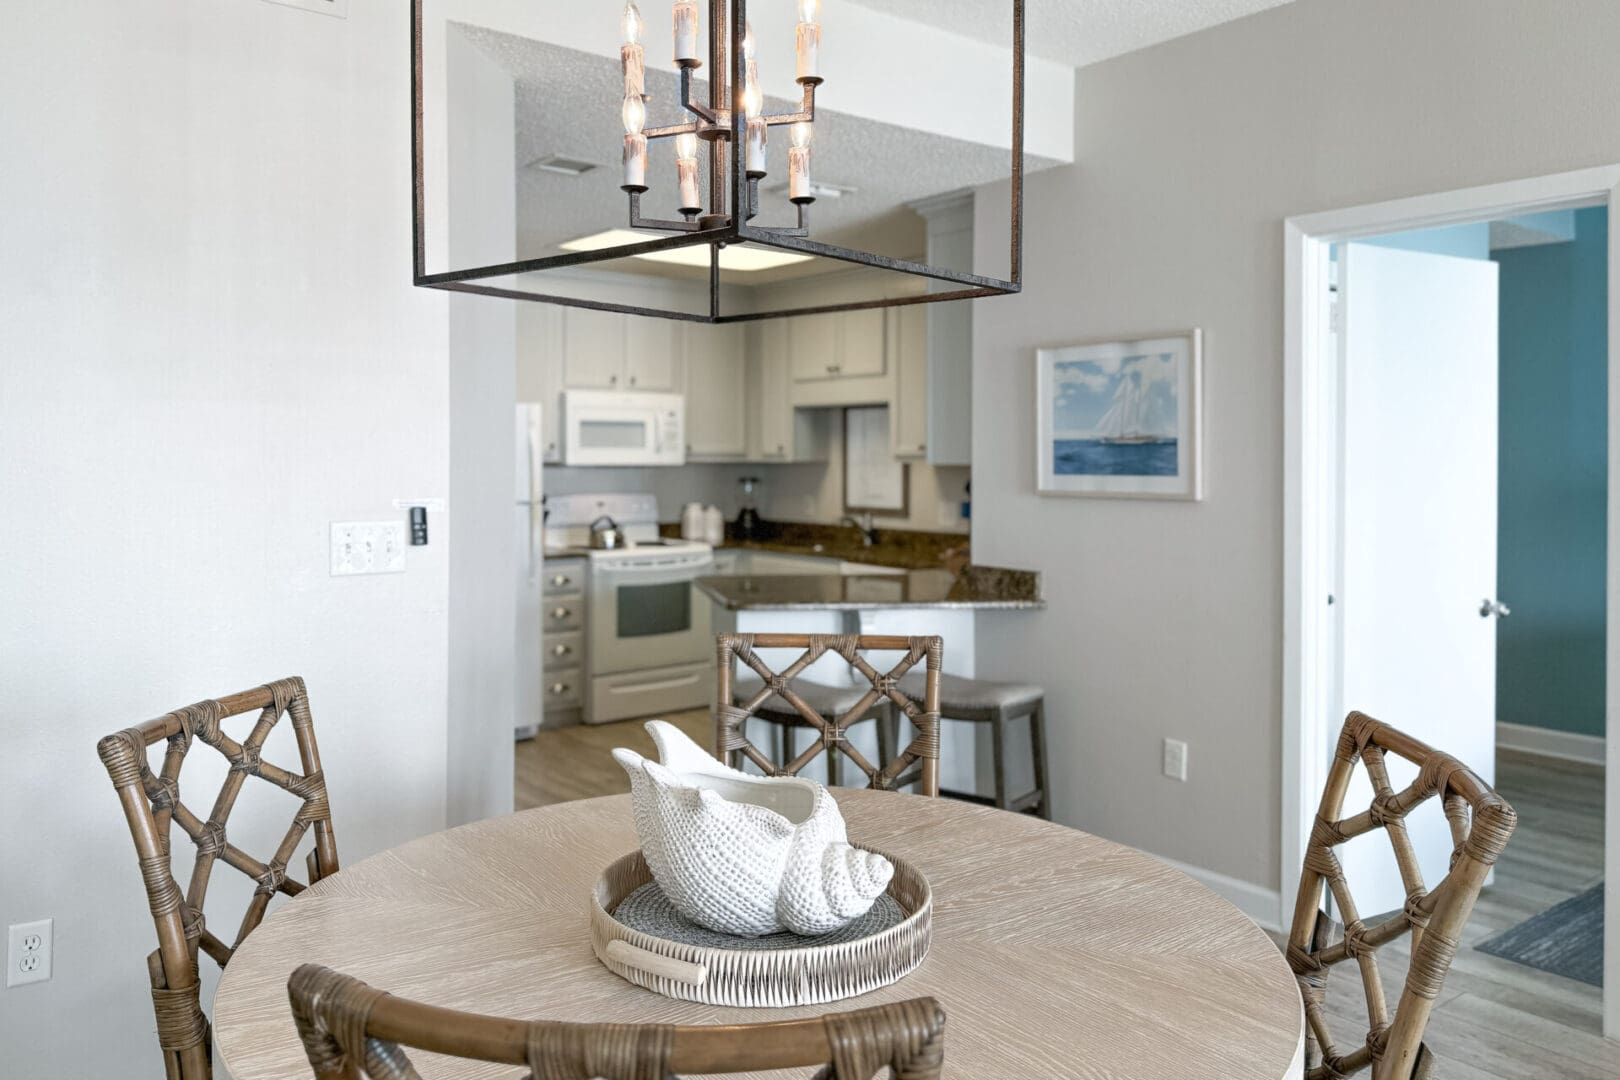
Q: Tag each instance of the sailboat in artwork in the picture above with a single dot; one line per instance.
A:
(1130, 419)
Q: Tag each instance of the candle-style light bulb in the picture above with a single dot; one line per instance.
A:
(809, 41)
(634, 113)
(686, 33)
(799, 163)
(686, 169)
(748, 40)
(632, 58)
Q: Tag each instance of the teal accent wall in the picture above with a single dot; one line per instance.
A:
(1551, 565)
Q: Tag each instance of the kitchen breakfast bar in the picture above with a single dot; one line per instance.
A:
(915, 603)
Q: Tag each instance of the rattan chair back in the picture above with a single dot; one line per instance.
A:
(1481, 823)
(348, 1027)
(152, 804)
(917, 764)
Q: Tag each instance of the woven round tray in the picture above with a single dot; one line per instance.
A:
(670, 956)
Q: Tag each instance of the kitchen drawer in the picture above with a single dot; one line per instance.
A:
(564, 689)
(655, 692)
(565, 650)
(564, 576)
(563, 612)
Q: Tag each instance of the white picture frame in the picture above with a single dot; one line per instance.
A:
(1121, 418)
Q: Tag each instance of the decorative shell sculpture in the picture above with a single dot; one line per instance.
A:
(746, 855)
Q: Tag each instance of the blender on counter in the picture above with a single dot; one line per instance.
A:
(750, 526)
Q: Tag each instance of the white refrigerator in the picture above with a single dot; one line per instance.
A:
(529, 521)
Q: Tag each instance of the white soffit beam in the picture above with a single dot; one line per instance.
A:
(866, 56)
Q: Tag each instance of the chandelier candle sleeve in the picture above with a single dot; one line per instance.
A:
(754, 108)
(632, 57)
(799, 164)
(634, 113)
(686, 167)
(686, 33)
(809, 40)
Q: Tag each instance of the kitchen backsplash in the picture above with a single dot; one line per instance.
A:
(795, 493)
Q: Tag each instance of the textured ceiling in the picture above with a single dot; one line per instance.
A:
(1075, 32)
(568, 104)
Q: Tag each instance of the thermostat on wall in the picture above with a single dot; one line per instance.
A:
(339, 8)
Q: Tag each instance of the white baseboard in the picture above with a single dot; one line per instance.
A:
(1262, 905)
(1587, 749)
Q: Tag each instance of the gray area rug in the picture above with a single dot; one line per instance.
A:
(1566, 939)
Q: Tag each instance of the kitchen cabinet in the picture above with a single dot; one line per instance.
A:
(716, 362)
(908, 415)
(843, 346)
(776, 431)
(539, 371)
(602, 350)
(593, 349)
(649, 360)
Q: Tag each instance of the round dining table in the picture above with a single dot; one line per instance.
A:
(1054, 953)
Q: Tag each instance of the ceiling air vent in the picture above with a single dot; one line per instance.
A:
(562, 166)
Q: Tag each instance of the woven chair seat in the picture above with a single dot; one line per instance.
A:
(959, 694)
(825, 700)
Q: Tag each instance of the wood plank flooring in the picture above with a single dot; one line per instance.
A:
(1496, 1020)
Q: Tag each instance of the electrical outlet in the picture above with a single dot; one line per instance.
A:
(1175, 759)
(368, 547)
(28, 953)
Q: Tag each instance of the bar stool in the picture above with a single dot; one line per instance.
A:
(999, 704)
(830, 702)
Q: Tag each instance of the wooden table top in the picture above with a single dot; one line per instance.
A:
(1054, 953)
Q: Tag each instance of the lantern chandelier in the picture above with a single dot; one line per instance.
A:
(713, 124)
(734, 128)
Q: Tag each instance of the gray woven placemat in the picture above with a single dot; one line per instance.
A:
(650, 911)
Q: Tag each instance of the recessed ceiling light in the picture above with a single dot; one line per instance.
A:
(741, 258)
(562, 166)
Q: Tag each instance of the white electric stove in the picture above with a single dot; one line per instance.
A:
(650, 646)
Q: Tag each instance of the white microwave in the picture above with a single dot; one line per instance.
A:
(607, 427)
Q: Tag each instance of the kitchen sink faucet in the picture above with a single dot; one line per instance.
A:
(869, 533)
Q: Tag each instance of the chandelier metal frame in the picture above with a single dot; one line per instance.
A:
(723, 125)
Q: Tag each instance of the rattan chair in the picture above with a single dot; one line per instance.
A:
(347, 1025)
(1481, 823)
(917, 764)
(152, 804)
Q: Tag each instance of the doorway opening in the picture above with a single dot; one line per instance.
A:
(1450, 507)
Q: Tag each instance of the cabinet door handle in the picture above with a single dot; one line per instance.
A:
(560, 688)
(559, 580)
(561, 650)
(613, 380)
(561, 613)
(632, 380)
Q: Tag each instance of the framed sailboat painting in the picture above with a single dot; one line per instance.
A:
(1121, 419)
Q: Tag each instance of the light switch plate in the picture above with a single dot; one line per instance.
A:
(368, 547)
(337, 8)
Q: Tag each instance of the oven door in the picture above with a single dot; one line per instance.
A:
(647, 616)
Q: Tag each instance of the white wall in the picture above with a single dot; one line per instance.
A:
(1165, 618)
(209, 350)
(482, 200)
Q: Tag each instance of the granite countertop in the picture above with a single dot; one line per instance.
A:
(898, 549)
(977, 588)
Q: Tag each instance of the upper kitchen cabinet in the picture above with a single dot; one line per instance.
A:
(908, 414)
(776, 431)
(607, 351)
(842, 346)
(715, 359)
(650, 350)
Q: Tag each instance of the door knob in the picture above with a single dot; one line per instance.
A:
(1489, 607)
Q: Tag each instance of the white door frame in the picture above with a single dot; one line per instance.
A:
(1307, 242)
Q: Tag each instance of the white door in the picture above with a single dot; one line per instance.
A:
(1417, 528)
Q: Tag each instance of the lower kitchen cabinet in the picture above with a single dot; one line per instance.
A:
(716, 361)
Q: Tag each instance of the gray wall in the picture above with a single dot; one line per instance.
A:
(1166, 618)
(209, 350)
